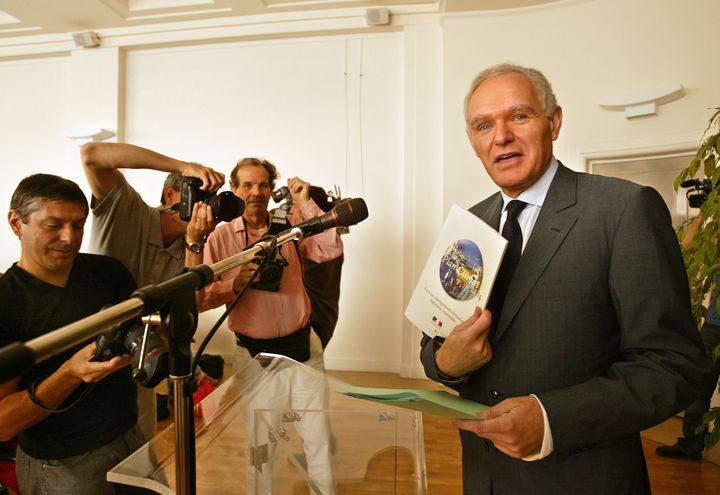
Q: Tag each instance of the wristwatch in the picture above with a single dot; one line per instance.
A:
(195, 247)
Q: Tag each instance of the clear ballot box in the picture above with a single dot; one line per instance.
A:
(280, 427)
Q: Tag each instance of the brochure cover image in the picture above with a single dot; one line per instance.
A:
(458, 275)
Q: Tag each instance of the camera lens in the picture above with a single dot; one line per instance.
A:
(226, 206)
(696, 200)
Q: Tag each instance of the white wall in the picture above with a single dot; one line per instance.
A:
(28, 143)
(378, 113)
(39, 99)
(325, 109)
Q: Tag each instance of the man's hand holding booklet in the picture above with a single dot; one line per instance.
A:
(457, 278)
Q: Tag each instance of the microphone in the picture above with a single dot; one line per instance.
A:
(345, 214)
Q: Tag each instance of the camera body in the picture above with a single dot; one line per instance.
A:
(270, 274)
(281, 194)
(126, 338)
(225, 206)
(698, 191)
(278, 219)
(326, 200)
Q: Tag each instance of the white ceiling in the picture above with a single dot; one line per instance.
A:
(34, 17)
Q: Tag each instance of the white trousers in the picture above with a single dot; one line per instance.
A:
(268, 396)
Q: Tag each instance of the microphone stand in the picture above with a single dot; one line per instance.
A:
(175, 300)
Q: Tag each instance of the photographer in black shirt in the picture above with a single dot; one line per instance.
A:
(74, 417)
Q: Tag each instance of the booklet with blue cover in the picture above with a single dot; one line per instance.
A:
(458, 275)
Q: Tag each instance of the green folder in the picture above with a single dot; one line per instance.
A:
(435, 402)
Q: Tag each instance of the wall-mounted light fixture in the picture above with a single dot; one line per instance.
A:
(82, 136)
(644, 102)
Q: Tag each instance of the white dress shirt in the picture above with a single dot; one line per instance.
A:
(534, 196)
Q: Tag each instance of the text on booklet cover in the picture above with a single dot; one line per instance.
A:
(458, 275)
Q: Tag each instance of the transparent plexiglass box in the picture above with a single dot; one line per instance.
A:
(280, 427)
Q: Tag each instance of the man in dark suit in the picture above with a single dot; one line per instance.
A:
(595, 340)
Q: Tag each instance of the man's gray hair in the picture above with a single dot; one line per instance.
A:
(538, 80)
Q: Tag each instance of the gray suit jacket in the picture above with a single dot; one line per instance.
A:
(597, 324)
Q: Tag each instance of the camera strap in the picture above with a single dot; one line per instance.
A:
(36, 400)
(264, 235)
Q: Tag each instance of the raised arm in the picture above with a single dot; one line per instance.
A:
(692, 229)
(320, 247)
(102, 162)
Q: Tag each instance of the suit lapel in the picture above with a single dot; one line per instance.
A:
(551, 228)
(489, 210)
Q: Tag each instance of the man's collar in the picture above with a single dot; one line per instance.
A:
(54, 278)
(241, 225)
(168, 209)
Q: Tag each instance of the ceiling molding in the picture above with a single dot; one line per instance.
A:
(26, 30)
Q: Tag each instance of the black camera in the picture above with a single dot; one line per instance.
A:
(278, 220)
(326, 200)
(225, 206)
(270, 274)
(127, 338)
(282, 193)
(698, 192)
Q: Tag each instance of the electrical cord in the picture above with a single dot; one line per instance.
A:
(266, 255)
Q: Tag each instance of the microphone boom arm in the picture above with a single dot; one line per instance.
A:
(243, 257)
(18, 358)
(153, 296)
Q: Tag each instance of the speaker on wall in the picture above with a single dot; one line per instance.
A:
(87, 39)
(377, 17)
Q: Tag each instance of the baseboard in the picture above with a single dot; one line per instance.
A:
(413, 371)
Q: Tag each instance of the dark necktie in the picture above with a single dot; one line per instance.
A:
(511, 231)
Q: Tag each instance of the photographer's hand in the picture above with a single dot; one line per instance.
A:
(201, 223)
(692, 229)
(18, 412)
(212, 180)
(247, 272)
(82, 366)
(299, 190)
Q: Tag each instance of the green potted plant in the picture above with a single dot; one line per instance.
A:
(701, 248)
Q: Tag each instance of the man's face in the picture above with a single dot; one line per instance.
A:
(254, 189)
(509, 132)
(51, 238)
